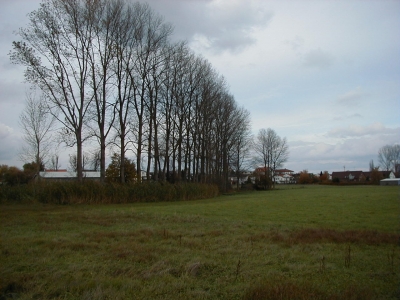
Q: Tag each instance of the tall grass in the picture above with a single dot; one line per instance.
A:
(91, 192)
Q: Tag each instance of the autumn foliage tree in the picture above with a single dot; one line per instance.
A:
(31, 170)
(305, 177)
(11, 175)
(113, 172)
(323, 177)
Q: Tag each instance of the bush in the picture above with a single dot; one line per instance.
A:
(14, 194)
(90, 192)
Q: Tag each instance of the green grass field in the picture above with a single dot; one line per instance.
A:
(312, 242)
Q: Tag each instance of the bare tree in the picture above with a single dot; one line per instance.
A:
(105, 16)
(389, 157)
(53, 48)
(371, 165)
(272, 151)
(94, 160)
(86, 161)
(224, 125)
(151, 35)
(36, 123)
(72, 162)
(109, 71)
(167, 109)
(206, 116)
(54, 164)
(396, 159)
(124, 57)
(242, 142)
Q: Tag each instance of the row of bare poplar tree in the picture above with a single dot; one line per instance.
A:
(111, 73)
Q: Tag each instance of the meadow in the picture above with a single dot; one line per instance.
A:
(296, 242)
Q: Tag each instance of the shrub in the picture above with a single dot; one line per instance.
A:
(90, 192)
(113, 170)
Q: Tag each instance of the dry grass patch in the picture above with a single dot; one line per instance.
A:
(287, 289)
(327, 235)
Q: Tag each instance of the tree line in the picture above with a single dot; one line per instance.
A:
(109, 72)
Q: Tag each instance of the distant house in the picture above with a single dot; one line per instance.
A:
(65, 175)
(349, 176)
(284, 176)
(242, 179)
(260, 170)
(283, 172)
(281, 176)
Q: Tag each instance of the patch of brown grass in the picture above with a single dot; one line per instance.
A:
(215, 233)
(64, 244)
(327, 235)
(316, 235)
(286, 289)
(160, 268)
(101, 236)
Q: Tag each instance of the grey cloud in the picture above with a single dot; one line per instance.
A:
(5, 63)
(300, 144)
(352, 97)
(9, 142)
(310, 149)
(346, 117)
(222, 28)
(5, 131)
(353, 153)
(233, 42)
(355, 131)
(296, 43)
(12, 92)
(318, 59)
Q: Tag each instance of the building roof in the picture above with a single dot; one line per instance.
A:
(262, 169)
(68, 174)
(391, 179)
(347, 174)
(284, 171)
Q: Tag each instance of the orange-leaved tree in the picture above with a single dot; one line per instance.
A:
(305, 177)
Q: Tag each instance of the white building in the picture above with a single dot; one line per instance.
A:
(65, 175)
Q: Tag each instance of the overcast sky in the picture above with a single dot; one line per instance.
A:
(323, 74)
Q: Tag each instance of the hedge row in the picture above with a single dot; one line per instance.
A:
(91, 192)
